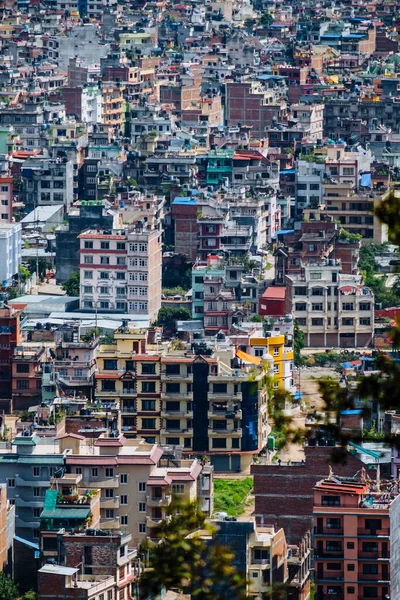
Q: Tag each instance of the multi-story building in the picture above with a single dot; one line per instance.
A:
(354, 209)
(47, 181)
(11, 251)
(309, 184)
(113, 107)
(354, 537)
(310, 117)
(135, 481)
(332, 308)
(10, 337)
(280, 348)
(86, 216)
(208, 406)
(120, 270)
(74, 366)
(27, 376)
(6, 199)
(218, 305)
(27, 467)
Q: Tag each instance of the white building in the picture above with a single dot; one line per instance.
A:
(309, 184)
(346, 165)
(10, 251)
(92, 105)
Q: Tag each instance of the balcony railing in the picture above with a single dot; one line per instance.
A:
(376, 554)
(373, 532)
(328, 531)
(373, 577)
(329, 576)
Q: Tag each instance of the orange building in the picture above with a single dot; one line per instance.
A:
(352, 538)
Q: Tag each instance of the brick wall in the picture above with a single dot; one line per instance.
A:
(284, 495)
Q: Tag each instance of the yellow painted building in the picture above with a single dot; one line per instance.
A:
(282, 354)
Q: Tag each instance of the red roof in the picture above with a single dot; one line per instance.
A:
(275, 292)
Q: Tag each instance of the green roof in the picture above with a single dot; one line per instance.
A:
(66, 513)
(31, 459)
(50, 499)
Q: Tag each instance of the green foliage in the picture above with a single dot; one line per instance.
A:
(368, 267)
(175, 291)
(298, 344)
(332, 358)
(71, 286)
(24, 274)
(350, 237)
(167, 316)
(202, 349)
(31, 595)
(8, 589)
(230, 495)
(255, 319)
(372, 435)
(266, 19)
(183, 560)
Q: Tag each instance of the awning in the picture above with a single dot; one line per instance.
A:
(254, 360)
(69, 512)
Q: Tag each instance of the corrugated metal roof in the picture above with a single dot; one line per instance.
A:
(66, 513)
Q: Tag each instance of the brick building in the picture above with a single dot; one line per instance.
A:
(284, 494)
(250, 105)
(353, 536)
(10, 337)
(27, 376)
(184, 218)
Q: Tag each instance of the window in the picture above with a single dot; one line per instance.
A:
(365, 306)
(365, 321)
(95, 472)
(120, 275)
(123, 478)
(105, 245)
(120, 246)
(317, 292)
(317, 306)
(351, 567)
(148, 405)
(109, 472)
(148, 424)
(370, 569)
(104, 275)
(78, 470)
(36, 512)
(4, 188)
(36, 492)
(350, 589)
(88, 274)
(124, 520)
(22, 384)
(300, 291)
(178, 488)
(148, 369)
(347, 322)
(333, 546)
(110, 595)
(104, 289)
(350, 545)
(300, 306)
(148, 387)
(110, 365)
(88, 245)
(314, 187)
(104, 260)
(333, 566)
(22, 368)
(107, 386)
(87, 289)
(11, 483)
(141, 486)
(261, 555)
(120, 260)
(123, 499)
(219, 443)
(348, 306)
(172, 388)
(109, 493)
(142, 527)
(333, 523)
(109, 513)
(142, 506)
(370, 592)
(315, 275)
(317, 322)
(88, 260)
(330, 500)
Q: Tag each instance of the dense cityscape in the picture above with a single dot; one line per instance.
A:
(200, 300)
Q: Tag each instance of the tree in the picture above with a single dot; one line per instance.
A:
(255, 319)
(184, 560)
(71, 285)
(167, 316)
(298, 344)
(8, 589)
(266, 19)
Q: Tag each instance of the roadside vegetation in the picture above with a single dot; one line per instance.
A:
(230, 495)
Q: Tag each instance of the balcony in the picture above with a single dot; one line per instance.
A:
(188, 396)
(188, 414)
(329, 576)
(154, 501)
(228, 431)
(376, 555)
(110, 524)
(110, 482)
(29, 502)
(176, 376)
(235, 397)
(19, 481)
(154, 521)
(331, 555)
(373, 532)
(373, 577)
(328, 531)
(109, 502)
